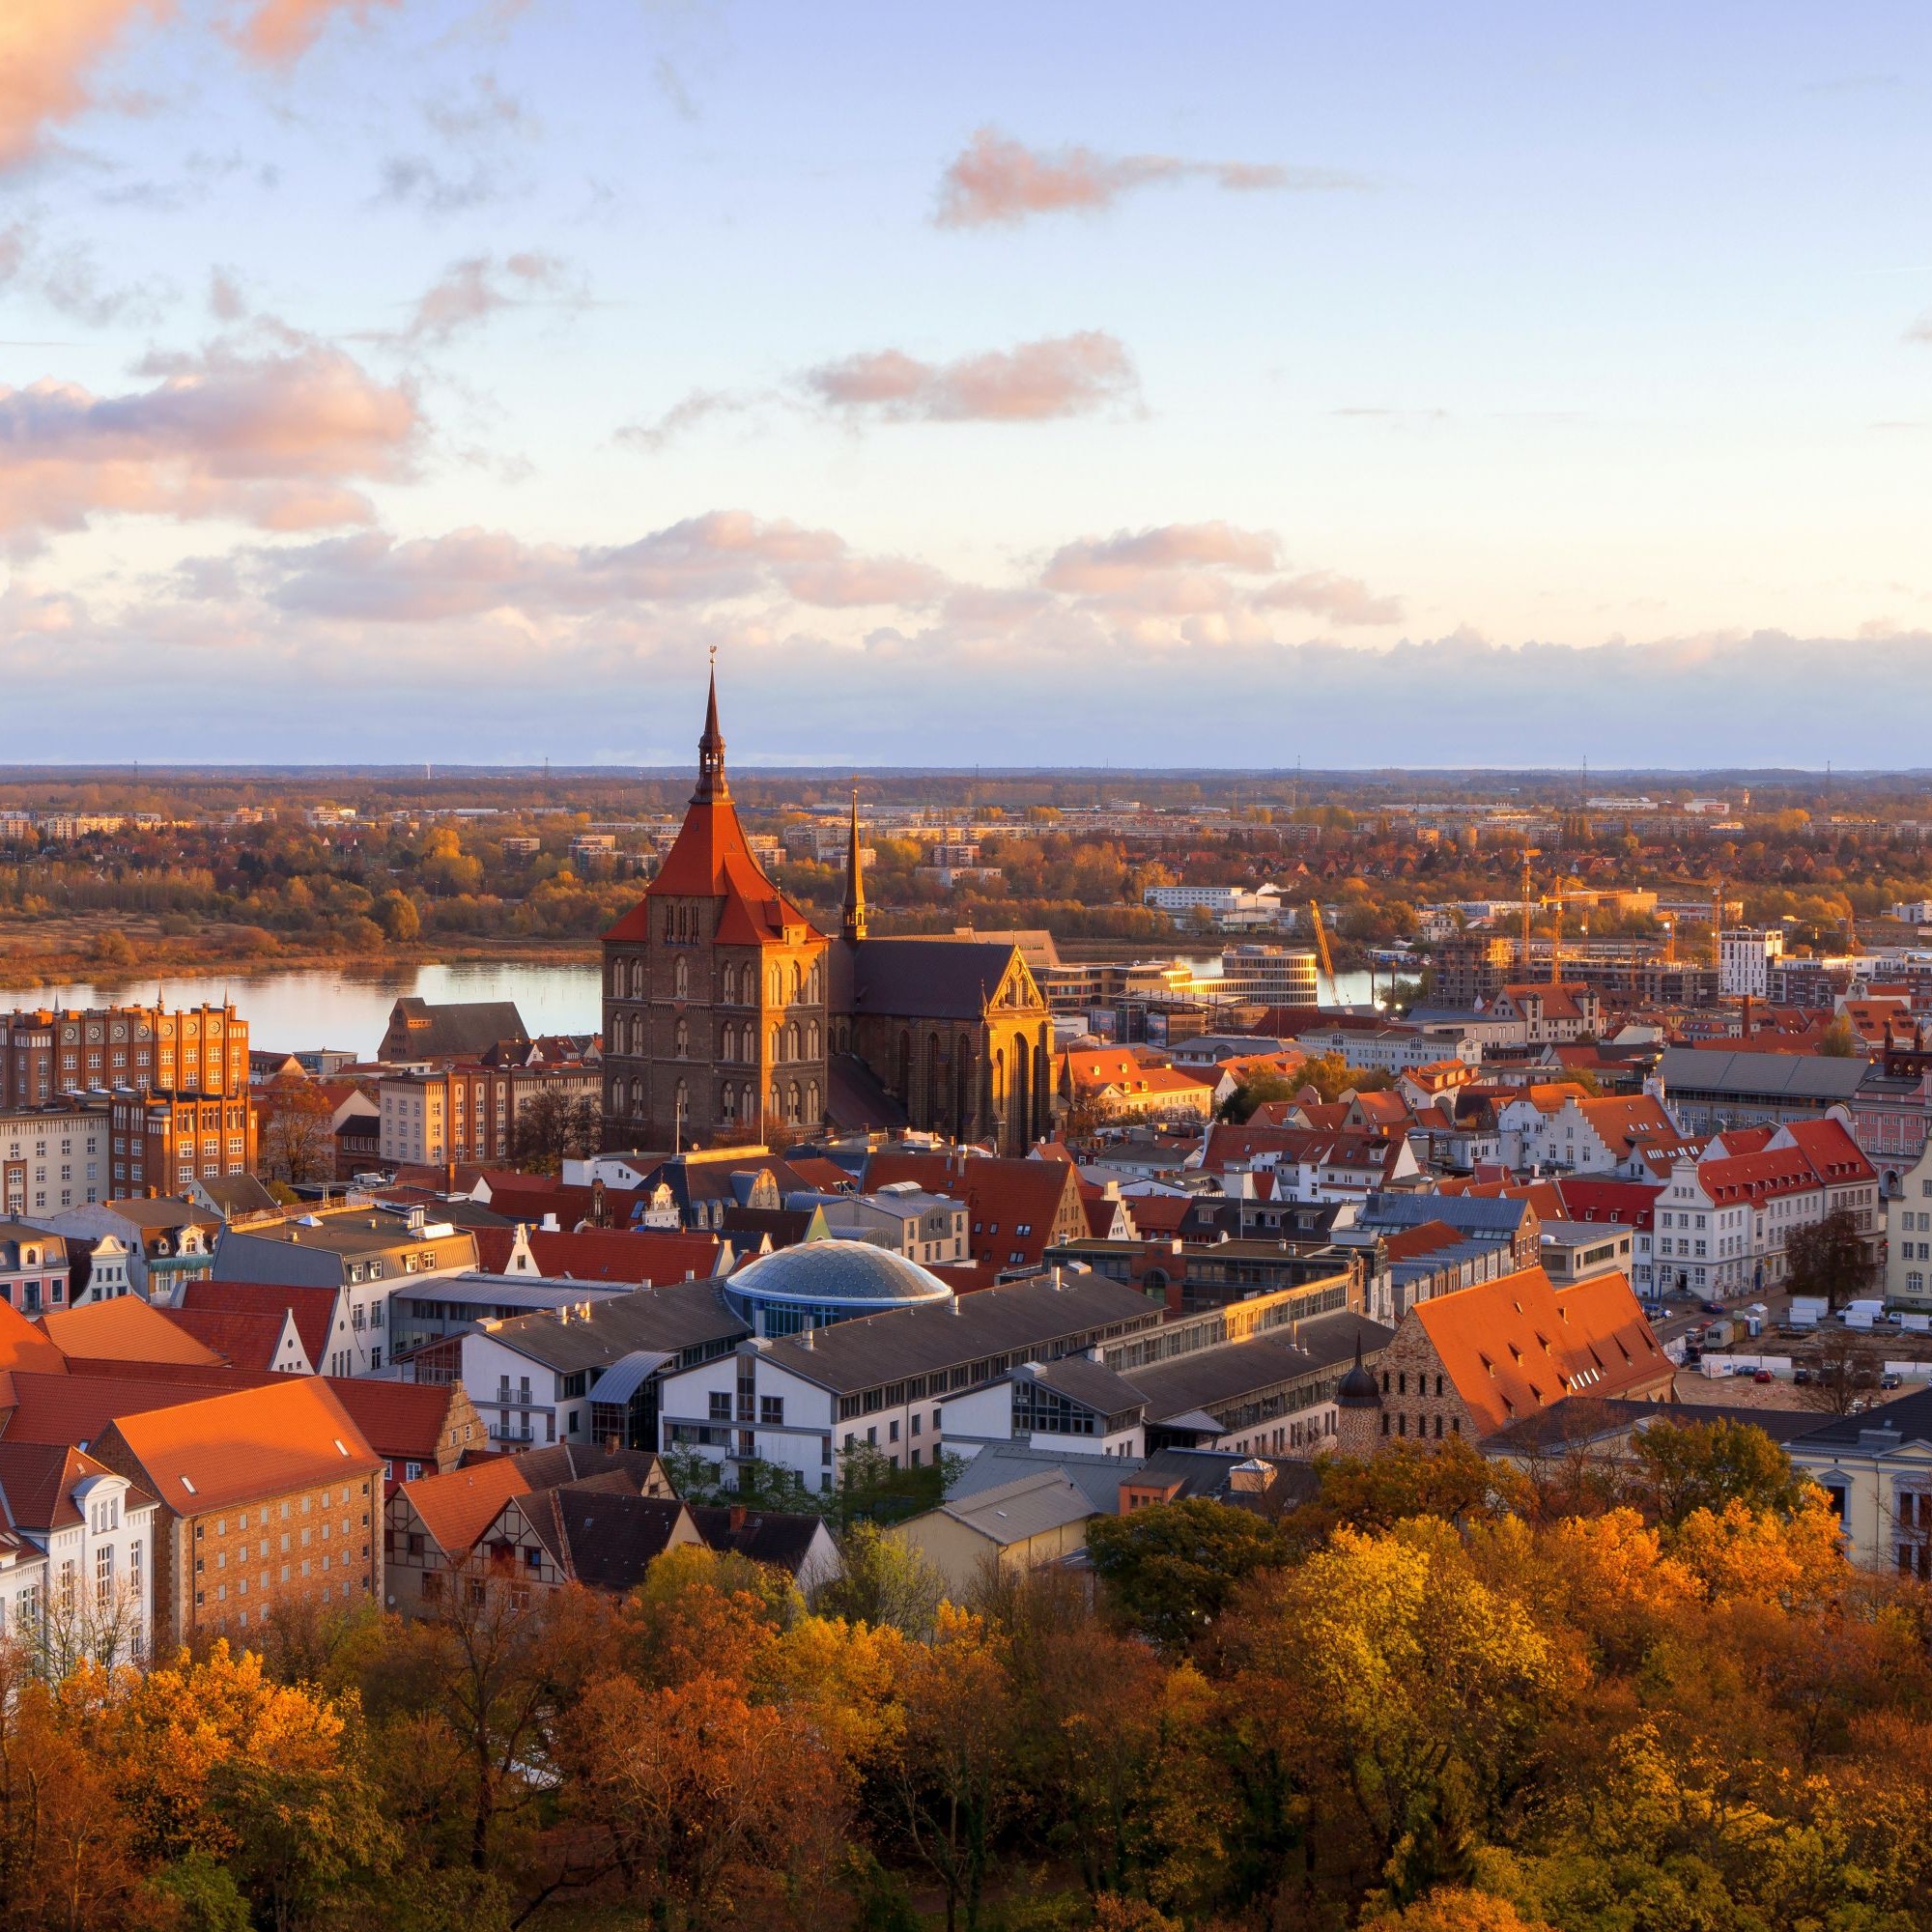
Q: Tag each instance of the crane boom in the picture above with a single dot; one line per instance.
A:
(1322, 943)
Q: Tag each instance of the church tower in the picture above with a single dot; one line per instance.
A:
(852, 920)
(714, 991)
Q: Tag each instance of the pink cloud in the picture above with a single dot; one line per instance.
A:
(719, 558)
(279, 32)
(470, 291)
(1342, 600)
(1103, 566)
(1000, 180)
(276, 440)
(1035, 382)
(48, 49)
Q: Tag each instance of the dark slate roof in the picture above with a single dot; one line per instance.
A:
(1576, 1421)
(560, 1463)
(858, 1097)
(612, 1537)
(1787, 1076)
(238, 1194)
(1493, 1215)
(1910, 1414)
(678, 1316)
(1216, 1377)
(765, 1536)
(940, 979)
(471, 1027)
(1091, 1384)
(1011, 1321)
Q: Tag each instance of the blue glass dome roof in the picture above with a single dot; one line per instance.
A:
(826, 1272)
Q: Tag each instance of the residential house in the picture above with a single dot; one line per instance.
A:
(1876, 1466)
(1025, 1525)
(33, 1267)
(94, 1531)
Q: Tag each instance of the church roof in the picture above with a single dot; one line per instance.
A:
(940, 979)
(711, 859)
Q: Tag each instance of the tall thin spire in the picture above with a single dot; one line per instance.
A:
(711, 783)
(853, 926)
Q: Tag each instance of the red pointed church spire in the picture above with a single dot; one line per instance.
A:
(711, 783)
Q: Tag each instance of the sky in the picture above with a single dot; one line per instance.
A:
(1115, 383)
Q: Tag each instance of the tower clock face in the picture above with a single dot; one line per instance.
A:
(69, 1034)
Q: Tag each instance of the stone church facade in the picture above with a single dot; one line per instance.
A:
(729, 1016)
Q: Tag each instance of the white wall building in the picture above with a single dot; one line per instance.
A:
(1744, 958)
(52, 1159)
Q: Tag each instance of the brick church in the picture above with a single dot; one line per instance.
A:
(730, 1016)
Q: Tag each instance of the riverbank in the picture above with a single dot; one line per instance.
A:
(108, 947)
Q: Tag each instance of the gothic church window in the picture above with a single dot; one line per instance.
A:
(681, 978)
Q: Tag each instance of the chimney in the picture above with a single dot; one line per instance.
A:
(737, 1518)
(609, 1445)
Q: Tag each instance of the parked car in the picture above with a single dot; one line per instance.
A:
(1889, 1380)
(1764, 1376)
(1713, 1308)
(1800, 1376)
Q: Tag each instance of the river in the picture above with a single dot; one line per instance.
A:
(298, 1008)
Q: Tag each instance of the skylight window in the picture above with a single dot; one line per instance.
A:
(187, 1486)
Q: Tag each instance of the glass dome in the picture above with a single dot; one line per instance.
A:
(821, 1282)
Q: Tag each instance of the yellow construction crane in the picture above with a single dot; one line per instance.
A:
(1556, 939)
(1529, 852)
(1322, 944)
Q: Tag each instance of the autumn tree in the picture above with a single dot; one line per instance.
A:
(1830, 1258)
(553, 1127)
(298, 1136)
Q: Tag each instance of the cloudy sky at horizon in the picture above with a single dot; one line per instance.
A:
(1092, 383)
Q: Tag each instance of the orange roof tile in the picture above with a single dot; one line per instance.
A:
(291, 1433)
(26, 1345)
(244, 1339)
(1516, 1345)
(458, 1507)
(313, 1308)
(125, 1329)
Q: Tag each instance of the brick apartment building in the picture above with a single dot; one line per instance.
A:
(268, 1497)
(467, 1111)
(46, 1054)
(163, 1142)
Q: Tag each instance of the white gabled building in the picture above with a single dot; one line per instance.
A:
(1721, 1225)
(884, 1381)
(89, 1595)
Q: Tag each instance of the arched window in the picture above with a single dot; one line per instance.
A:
(670, 923)
(812, 1109)
(616, 979)
(680, 978)
(683, 1038)
(791, 1040)
(811, 984)
(727, 1101)
(797, 981)
(729, 992)
(682, 1102)
(774, 1097)
(778, 986)
(777, 1043)
(811, 1040)
(791, 1103)
(636, 978)
(727, 1040)
(637, 1098)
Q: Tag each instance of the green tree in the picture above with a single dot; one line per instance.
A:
(1173, 1568)
(886, 1581)
(1838, 1040)
(1693, 1465)
(1257, 1089)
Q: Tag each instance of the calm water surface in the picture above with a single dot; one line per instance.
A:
(298, 1007)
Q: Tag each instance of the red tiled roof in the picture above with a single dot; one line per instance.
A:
(26, 1345)
(313, 1308)
(125, 1329)
(243, 1339)
(403, 1421)
(77, 1408)
(1832, 1150)
(458, 1507)
(710, 859)
(1424, 1239)
(37, 1481)
(1001, 1196)
(292, 1433)
(645, 1257)
(1516, 1345)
